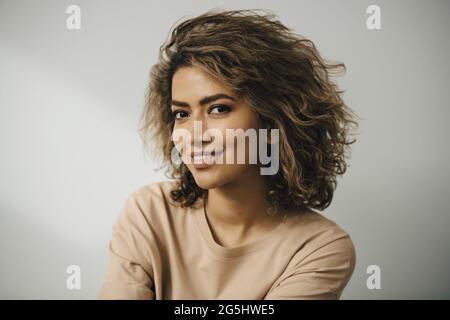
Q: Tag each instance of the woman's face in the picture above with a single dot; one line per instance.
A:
(191, 85)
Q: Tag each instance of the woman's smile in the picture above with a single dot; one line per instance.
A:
(203, 160)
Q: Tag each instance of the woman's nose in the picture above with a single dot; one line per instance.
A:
(198, 125)
(199, 134)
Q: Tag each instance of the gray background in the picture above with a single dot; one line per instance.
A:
(70, 102)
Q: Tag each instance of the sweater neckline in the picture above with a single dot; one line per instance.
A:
(222, 252)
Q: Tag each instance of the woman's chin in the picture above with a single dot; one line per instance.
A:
(218, 175)
(208, 179)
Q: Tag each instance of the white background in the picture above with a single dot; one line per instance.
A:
(70, 102)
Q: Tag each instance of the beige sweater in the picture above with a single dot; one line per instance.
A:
(159, 250)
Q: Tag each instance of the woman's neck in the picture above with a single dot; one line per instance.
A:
(240, 206)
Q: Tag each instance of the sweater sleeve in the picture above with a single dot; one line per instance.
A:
(129, 272)
(322, 274)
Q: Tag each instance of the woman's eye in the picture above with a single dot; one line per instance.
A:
(178, 112)
(220, 107)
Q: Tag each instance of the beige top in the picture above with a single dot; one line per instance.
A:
(159, 250)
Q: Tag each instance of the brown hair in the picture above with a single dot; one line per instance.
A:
(278, 73)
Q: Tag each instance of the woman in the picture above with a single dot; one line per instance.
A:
(224, 230)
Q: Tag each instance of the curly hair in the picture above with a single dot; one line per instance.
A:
(281, 75)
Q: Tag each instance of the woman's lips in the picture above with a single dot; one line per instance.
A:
(205, 159)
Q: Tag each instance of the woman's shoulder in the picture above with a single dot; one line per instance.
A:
(312, 222)
(151, 201)
(322, 243)
(157, 190)
(315, 231)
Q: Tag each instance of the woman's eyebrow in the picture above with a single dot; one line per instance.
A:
(203, 101)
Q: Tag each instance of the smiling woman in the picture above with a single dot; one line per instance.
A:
(225, 231)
